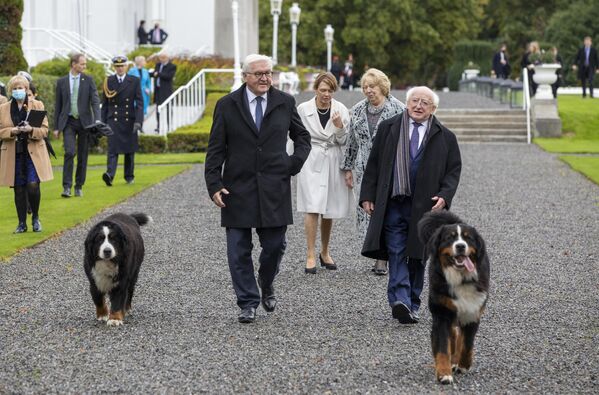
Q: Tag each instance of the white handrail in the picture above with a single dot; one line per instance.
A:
(526, 103)
(187, 104)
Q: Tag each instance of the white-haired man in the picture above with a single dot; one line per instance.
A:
(414, 167)
(248, 174)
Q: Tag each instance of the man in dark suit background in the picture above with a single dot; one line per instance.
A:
(77, 106)
(123, 111)
(164, 73)
(414, 167)
(586, 62)
(501, 65)
(157, 36)
(248, 175)
(142, 35)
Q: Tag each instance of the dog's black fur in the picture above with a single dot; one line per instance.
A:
(114, 251)
(459, 273)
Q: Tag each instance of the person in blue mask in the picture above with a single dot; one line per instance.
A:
(24, 160)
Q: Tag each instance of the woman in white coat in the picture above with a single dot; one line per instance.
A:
(321, 188)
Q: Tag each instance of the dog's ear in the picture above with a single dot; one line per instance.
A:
(432, 247)
(481, 248)
(89, 243)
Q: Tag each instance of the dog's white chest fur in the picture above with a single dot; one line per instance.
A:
(104, 273)
(466, 298)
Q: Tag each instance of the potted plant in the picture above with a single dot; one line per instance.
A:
(472, 70)
(545, 73)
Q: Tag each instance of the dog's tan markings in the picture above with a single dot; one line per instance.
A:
(115, 318)
(447, 302)
(457, 342)
(445, 257)
(102, 312)
(443, 367)
(465, 360)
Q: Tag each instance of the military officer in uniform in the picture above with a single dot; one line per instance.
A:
(122, 110)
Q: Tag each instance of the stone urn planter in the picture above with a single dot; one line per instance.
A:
(471, 73)
(545, 76)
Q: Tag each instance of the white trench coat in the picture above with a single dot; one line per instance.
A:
(321, 185)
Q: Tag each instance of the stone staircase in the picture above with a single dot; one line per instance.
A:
(485, 125)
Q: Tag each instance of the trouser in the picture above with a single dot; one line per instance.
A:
(239, 254)
(74, 135)
(586, 78)
(406, 275)
(113, 160)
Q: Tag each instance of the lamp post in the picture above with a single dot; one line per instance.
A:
(275, 11)
(237, 64)
(328, 36)
(294, 18)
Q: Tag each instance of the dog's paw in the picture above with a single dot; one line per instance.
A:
(448, 379)
(114, 322)
(460, 369)
(103, 318)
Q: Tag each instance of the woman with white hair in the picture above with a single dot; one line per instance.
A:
(24, 160)
(140, 71)
(366, 117)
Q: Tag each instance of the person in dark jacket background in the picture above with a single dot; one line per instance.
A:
(248, 174)
(414, 167)
(163, 74)
(501, 64)
(142, 35)
(586, 62)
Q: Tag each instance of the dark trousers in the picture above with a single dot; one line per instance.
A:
(74, 135)
(406, 276)
(113, 160)
(239, 253)
(587, 75)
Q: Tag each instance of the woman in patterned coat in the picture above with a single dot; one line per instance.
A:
(366, 116)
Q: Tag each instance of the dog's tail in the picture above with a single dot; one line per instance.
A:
(141, 218)
(432, 220)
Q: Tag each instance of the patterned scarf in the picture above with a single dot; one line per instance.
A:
(401, 170)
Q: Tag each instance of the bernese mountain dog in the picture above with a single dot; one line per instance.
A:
(114, 251)
(458, 289)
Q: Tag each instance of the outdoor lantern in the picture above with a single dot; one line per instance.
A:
(328, 33)
(275, 7)
(294, 14)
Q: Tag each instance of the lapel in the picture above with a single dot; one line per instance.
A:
(240, 99)
(395, 130)
(433, 130)
(312, 117)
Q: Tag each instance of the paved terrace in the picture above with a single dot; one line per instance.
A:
(332, 332)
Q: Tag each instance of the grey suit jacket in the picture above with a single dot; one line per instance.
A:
(88, 102)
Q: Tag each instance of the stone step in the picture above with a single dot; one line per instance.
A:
(492, 139)
(465, 123)
(481, 112)
(489, 132)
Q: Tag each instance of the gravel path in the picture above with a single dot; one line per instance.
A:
(332, 332)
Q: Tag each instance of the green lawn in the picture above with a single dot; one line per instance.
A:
(589, 166)
(58, 214)
(205, 123)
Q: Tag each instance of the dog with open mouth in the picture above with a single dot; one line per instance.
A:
(459, 271)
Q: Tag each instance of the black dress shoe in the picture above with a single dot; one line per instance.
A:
(107, 179)
(268, 299)
(247, 315)
(36, 225)
(21, 228)
(402, 313)
(328, 266)
(66, 192)
(311, 270)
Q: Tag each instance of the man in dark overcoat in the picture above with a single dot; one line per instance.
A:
(164, 73)
(123, 111)
(77, 106)
(248, 175)
(414, 167)
(587, 64)
(501, 65)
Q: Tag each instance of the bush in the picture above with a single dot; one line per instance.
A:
(143, 51)
(11, 34)
(147, 145)
(474, 51)
(61, 67)
(188, 141)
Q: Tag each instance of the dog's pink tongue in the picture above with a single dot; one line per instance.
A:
(469, 265)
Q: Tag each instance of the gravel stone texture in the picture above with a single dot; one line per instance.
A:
(332, 332)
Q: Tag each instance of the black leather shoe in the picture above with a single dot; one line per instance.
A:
(21, 228)
(247, 315)
(311, 270)
(402, 313)
(328, 266)
(36, 225)
(107, 179)
(380, 268)
(78, 192)
(66, 193)
(268, 299)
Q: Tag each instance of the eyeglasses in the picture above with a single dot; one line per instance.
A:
(259, 75)
(423, 102)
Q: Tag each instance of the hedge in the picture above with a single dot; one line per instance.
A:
(11, 34)
(147, 145)
(61, 67)
(475, 51)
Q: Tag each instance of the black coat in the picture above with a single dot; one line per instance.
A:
(88, 102)
(163, 36)
(438, 175)
(121, 112)
(142, 35)
(501, 70)
(581, 59)
(166, 81)
(253, 165)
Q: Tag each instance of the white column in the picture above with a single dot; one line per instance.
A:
(293, 44)
(237, 64)
(275, 21)
(329, 54)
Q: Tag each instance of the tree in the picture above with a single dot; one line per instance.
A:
(11, 54)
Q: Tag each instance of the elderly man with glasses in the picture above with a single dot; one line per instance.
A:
(414, 167)
(248, 175)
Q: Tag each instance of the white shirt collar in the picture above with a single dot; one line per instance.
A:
(251, 96)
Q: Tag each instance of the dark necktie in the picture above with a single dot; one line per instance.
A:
(259, 114)
(414, 140)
